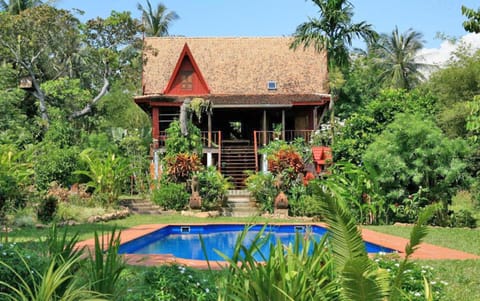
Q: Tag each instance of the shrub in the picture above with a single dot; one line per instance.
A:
(177, 143)
(11, 255)
(413, 154)
(54, 164)
(413, 284)
(106, 172)
(175, 282)
(213, 188)
(105, 265)
(180, 167)
(47, 209)
(262, 187)
(463, 218)
(286, 162)
(171, 196)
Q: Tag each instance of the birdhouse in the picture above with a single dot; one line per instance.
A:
(26, 83)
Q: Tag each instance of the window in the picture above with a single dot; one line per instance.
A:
(186, 80)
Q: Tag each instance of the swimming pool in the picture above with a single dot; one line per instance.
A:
(183, 241)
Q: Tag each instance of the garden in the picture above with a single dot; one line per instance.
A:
(73, 146)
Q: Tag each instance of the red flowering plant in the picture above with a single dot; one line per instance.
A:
(287, 163)
(180, 167)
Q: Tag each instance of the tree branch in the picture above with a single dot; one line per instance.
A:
(88, 108)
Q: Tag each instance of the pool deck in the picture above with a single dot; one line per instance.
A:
(425, 251)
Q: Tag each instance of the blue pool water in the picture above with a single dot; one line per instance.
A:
(184, 241)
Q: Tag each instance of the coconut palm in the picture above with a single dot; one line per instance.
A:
(14, 7)
(397, 57)
(333, 32)
(156, 21)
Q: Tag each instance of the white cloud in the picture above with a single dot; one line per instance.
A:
(440, 56)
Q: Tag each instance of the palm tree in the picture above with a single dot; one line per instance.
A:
(333, 32)
(14, 7)
(397, 57)
(156, 21)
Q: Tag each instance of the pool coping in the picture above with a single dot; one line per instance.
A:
(425, 250)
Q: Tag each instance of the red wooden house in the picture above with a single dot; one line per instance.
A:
(255, 85)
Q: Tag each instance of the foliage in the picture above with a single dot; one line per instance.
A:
(177, 143)
(213, 188)
(413, 285)
(55, 279)
(105, 265)
(171, 195)
(15, 127)
(455, 85)
(55, 164)
(180, 167)
(473, 118)
(106, 173)
(463, 218)
(396, 56)
(413, 154)
(473, 22)
(333, 31)
(12, 255)
(176, 282)
(286, 162)
(47, 209)
(14, 7)
(261, 186)
(289, 273)
(156, 21)
(362, 127)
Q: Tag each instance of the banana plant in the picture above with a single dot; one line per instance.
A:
(106, 172)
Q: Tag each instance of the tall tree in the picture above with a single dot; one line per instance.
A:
(156, 21)
(14, 7)
(333, 32)
(48, 44)
(473, 22)
(397, 57)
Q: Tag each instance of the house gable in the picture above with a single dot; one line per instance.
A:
(186, 78)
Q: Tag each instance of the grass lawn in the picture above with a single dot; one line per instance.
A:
(463, 277)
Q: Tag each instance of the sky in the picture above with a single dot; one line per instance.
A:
(208, 18)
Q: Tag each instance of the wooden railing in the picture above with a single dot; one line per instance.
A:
(262, 138)
(209, 139)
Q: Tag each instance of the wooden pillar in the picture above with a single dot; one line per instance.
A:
(264, 127)
(283, 124)
(209, 130)
(155, 125)
(315, 118)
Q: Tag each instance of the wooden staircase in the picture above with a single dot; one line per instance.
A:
(236, 158)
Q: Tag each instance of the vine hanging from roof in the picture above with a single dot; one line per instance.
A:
(197, 105)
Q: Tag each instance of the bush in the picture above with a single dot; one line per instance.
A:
(262, 187)
(12, 255)
(413, 154)
(180, 167)
(47, 209)
(171, 196)
(175, 282)
(463, 218)
(54, 164)
(213, 188)
(413, 280)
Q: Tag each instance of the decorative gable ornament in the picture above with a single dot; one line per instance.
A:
(186, 79)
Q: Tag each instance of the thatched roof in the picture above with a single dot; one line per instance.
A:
(238, 66)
